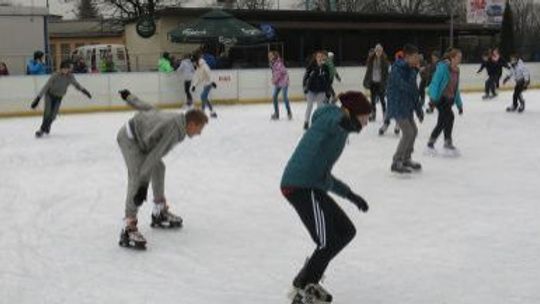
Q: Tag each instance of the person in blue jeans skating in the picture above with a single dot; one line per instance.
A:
(203, 75)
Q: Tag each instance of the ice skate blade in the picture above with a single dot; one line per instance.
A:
(167, 225)
(132, 245)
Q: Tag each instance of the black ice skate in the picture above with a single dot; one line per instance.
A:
(398, 167)
(449, 145)
(383, 129)
(274, 116)
(511, 109)
(289, 116)
(415, 166)
(521, 108)
(130, 237)
(396, 130)
(39, 133)
(166, 219)
(213, 114)
(311, 294)
(306, 125)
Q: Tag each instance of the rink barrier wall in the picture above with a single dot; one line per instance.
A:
(246, 86)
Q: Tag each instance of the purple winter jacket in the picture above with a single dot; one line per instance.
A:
(280, 77)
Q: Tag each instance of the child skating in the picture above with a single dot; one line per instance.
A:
(521, 76)
(444, 93)
(144, 141)
(308, 179)
(280, 80)
(54, 90)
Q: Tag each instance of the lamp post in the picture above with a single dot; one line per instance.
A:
(46, 33)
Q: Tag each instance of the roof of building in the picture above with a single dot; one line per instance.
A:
(85, 28)
(301, 19)
(15, 10)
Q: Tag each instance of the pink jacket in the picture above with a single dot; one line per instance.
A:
(280, 77)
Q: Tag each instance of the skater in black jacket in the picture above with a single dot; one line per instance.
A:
(490, 84)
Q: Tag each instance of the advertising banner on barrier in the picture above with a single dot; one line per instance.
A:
(485, 11)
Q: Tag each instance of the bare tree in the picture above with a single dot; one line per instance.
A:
(86, 9)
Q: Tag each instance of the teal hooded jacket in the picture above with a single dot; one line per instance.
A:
(311, 164)
(440, 81)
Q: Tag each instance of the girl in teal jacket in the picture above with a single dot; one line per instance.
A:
(444, 92)
(307, 179)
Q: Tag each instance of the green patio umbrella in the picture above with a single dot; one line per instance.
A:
(217, 26)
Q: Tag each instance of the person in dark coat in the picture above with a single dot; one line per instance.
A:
(375, 79)
(403, 102)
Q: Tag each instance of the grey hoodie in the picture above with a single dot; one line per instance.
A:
(155, 133)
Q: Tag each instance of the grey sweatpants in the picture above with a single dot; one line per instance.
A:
(319, 98)
(134, 159)
(409, 132)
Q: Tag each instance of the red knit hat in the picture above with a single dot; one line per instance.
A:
(356, 102)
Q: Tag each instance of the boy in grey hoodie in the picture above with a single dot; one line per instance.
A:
(54, 90)
(144, 141)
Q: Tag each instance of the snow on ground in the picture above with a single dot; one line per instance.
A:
(465, 230)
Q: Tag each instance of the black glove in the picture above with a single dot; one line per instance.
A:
(214, 85)
(350, 124)
(124, 94)
(85, 92)
(35, 102)
(358, 201)
(141, 194)
(460, 110)
(338, 77)
(506, 80)
(192, 89)
(420, 115)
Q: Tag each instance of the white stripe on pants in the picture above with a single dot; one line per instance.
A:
(320, 224)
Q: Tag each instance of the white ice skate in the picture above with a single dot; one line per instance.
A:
(311, 294)
(162, 217)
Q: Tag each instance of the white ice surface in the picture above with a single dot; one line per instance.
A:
(466, 230)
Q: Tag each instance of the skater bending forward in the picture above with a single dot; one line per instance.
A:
(308, 178)
(144, 141)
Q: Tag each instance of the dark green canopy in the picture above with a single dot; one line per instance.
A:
(217, 26)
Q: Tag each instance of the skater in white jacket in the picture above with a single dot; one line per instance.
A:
(521, 75)
(203, 75)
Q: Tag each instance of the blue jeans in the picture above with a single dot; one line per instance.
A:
(204, 97)
(285, 99)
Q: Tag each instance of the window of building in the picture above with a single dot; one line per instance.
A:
(65, 51)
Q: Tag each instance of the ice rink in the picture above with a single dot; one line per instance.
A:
(465, 230)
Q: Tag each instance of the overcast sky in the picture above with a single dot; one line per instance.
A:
(65, 7)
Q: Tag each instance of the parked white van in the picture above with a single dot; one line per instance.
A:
(95, 56)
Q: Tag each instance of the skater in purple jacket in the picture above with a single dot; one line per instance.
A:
(280, 80)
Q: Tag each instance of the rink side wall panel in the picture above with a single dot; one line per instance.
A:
(244, 86)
